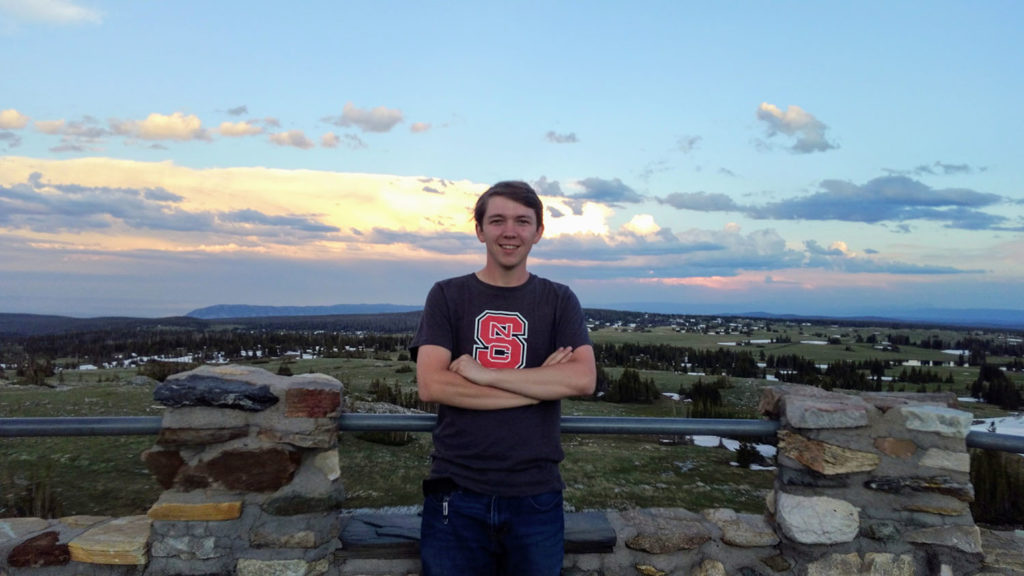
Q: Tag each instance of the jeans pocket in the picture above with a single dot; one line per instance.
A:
(547, 501)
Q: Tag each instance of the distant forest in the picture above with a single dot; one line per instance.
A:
(43, 345)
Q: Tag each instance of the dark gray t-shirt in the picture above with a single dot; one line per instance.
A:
(516, 451)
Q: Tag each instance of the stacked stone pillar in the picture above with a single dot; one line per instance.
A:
(872, 484)
(250, 465)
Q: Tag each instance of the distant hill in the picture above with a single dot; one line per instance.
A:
(390, 319)
(221, 311)
(38, 325)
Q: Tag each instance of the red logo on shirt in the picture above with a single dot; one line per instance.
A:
(500, 340)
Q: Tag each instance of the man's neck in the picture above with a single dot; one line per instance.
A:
(503, 278)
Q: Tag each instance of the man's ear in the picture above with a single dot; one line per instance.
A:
(540, 232)
(479, 233)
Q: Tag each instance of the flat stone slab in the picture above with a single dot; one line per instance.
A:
(16, 528)
(940, 420)
(665, 530)
(120, 541)
(1003, 549)
(383, 535)
(197, 390)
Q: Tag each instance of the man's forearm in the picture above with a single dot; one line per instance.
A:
(573, 374)
(451, 389)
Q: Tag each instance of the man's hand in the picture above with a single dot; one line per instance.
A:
(563, 354)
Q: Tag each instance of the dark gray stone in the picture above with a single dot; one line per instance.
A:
(810, 479)
(938, 484)
(884, 531)
(214, 392)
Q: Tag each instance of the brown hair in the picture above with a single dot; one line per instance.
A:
(514, 190)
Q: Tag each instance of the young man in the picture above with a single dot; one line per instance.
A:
(497, 350)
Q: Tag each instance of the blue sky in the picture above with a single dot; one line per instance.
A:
(789, 157)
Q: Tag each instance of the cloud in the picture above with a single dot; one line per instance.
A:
(885, 199)
(567, 138)
(238, 110)
(294, 138)
(11, 119)
(250, 216)
(12, 139)
(838, 258)
(379, 119)
(49, 208)
(85, 135)
(888, 198)
(354, 142)
(608, 191)
(687, 144)
(177, 126)
(795, 122)
(419, 127)
(701, 201)
(239, 129)
(329, 140)
(937, 168)
(50, 11)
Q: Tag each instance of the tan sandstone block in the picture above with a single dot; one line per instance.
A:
(122, 541)
(896, 447)
(210, 511)
(196, 506)
(825, 458)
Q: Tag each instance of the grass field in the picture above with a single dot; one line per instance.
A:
(104, 475)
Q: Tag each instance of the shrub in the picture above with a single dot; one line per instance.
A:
(747, 455)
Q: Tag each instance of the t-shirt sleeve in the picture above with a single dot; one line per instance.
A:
(435, 323)
(572, 329)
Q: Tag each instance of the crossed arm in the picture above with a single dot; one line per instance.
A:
(465, 383)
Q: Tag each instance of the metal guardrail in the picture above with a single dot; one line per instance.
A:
(150, 425)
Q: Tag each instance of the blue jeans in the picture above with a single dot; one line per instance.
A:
(465, 533)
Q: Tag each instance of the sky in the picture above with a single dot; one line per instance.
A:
(789, 157)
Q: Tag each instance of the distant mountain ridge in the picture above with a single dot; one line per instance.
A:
(221, 311)
(398, 317)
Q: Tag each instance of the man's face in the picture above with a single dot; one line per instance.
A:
(509, 229)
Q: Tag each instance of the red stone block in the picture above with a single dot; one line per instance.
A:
(41, 550)
(163, 464)
(253, 470)
(311, 403)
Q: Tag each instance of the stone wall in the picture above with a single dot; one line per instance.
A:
(869, 484)
(876, 483)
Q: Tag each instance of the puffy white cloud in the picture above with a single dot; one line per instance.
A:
(379, 119)
(797, 122)
(177, 126)
(238, 129)
(295, 138)
(642, 225)
(330, 140)
(11, 119)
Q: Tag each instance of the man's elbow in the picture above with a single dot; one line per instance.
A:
(587, 383)
(426, 393)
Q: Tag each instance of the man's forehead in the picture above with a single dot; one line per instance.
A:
(501, 206)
